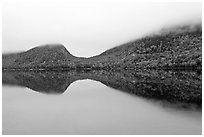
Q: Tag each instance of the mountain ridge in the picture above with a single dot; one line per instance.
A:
(181, 48)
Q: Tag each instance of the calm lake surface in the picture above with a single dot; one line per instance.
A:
(90, 107)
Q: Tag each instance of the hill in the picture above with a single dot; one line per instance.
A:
(46, 56)
(179, 48)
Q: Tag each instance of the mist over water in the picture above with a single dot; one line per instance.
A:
(152, 86)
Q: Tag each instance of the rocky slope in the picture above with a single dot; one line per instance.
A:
(180, 48)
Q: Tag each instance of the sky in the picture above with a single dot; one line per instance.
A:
(87, 28)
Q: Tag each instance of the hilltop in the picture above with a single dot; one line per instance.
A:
(39, 57)
(179, 48)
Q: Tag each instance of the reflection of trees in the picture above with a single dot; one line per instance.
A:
(170, 86)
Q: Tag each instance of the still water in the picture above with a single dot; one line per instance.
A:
(90, 107)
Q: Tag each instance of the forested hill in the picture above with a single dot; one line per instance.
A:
(178, 48)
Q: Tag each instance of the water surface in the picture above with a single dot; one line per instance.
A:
(85, 106)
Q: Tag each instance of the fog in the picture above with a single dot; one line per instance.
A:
(88, 28)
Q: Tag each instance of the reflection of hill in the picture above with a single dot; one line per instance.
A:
(162, 85)
(41, 82)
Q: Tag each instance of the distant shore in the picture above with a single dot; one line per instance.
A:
(179, 49)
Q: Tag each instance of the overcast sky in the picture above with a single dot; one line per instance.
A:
(88, 28)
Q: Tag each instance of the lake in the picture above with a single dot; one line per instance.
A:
(97, 103)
